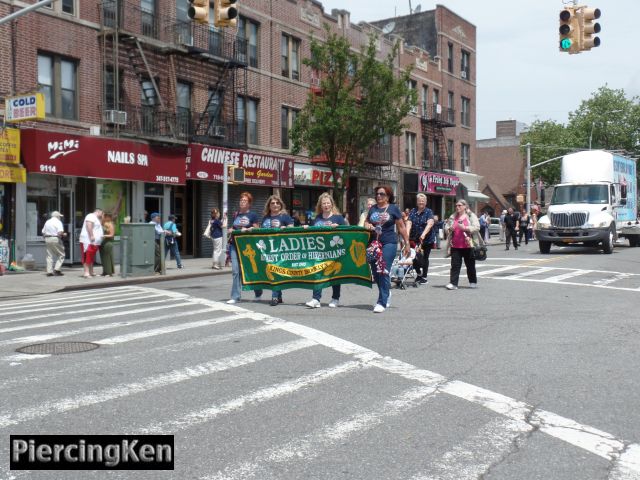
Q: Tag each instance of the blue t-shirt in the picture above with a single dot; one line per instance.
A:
(419, 223)
(277, 221)
(335, 218)
(386, 219)
(171, 227)
(244, 220)
(216, 228)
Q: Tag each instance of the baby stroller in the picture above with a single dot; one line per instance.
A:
(403, 273)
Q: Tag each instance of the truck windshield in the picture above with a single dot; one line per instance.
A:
(580, 194)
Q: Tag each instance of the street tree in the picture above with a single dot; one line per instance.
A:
(361, 99)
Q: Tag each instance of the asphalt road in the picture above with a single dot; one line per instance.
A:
(534, 375)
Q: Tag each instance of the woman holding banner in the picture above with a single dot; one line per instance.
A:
(383, 219)
(275, 216)
(327, 215)
(244, 219)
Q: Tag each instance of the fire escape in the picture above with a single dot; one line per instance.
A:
(434, 120)
(169, 81)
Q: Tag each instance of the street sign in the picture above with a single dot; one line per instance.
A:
(24, 107)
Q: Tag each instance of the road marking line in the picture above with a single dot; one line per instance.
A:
(259, 396)
(317, 442)
(482, 273)
(628, 465)
(45, 297)
(473, 458)
(66, 304)
(533, 271)
(565, 276)
(18, 416)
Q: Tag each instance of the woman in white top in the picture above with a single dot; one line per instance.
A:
(90, 240)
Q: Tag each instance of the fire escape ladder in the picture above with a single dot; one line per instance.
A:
(207, 116)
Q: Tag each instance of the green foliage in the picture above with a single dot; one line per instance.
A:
(362, 99)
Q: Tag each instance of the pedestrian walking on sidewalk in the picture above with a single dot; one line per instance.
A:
(463, 226)
(53, 233)
(155, 221)
(214, 232)
(90, 241)
(106, 248)
(171, 240)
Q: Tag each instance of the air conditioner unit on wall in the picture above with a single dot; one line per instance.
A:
(467, 168)
(463, 75)
(114, 117)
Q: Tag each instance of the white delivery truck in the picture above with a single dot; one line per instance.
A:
(595, 203)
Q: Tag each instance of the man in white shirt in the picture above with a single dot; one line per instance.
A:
(53, 233)
(90, 240)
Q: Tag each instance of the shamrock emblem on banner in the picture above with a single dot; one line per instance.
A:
(336, 240)
(261, 245)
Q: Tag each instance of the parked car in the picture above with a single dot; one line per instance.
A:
(494, 226)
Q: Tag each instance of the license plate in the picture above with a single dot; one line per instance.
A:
(567, 240)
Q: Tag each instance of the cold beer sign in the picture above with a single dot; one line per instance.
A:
(24, 107)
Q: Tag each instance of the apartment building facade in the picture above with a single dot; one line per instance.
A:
(144, 107)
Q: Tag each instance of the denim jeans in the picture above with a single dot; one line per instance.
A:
(236, 284)
(171, 245)
(317, 293)
(383, 281)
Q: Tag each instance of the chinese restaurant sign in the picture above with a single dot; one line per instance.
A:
(437, 183)
(314, 257)
(205, 162)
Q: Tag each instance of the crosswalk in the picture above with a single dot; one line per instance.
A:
(534, 271)
(249, 395)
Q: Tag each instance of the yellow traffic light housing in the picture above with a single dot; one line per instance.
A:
(199, 11)
(589, 27)
(569, 31)
(225, 13)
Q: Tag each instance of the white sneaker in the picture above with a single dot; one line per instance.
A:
(473, 285)
(378, 309)
(451, 286)
(257, 299)
(389, 300)
(232, 301)
(313, 303)
(334, 303)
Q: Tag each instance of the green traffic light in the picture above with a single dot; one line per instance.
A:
(565, 44)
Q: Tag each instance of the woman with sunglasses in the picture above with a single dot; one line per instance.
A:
(462, 226)
(275, 216)
(383, 219)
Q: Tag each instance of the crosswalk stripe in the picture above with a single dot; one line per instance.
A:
(627, 466)
(21, 415)
(316, 443)
(260, 396)
(565, 276)
(70, 303)
(472, 458)
(46, 298)
(482, 273)
(530, 273)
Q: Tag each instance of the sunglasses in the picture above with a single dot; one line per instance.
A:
(381, 194)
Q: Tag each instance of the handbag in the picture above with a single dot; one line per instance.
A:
(479, 250)
(207, 231)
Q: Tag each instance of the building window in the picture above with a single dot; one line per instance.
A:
(465, 113)
(450, 154)
(287, 118)
(413, 85)
(425, 99)
(465, 65)
(183, 108)
(450, 102)
(110, 102)
(247, 116)
(426, 161)
(290, 53)
(410, 149)
(436, 96)
(64, 6)
(214, 111)
(248, 45)
(450, 57)
(57, 80)
(465, 155)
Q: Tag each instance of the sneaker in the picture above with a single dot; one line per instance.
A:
(257, 299)
(334, 303)
(180, 266)
(422, 281)
(279, 299)
(451, 286)
(232, 301)
(274, 302)
(389, 300)
(473, 285)
(378, 309)
(49, 274)
(313, 303)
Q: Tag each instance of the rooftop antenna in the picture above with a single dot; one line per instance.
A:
(388, 28)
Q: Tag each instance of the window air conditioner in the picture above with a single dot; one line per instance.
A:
(315, 81)
(114, 117)
(438, 109)
(467, 168)
(218, 131)
(463, 75)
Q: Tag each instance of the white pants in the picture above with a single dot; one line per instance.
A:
(55, 253)
(217, 252)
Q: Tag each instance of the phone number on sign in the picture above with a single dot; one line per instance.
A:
(163, 178)
(48, 168)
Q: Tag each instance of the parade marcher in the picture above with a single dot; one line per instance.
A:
(327, 215)
(463, 226)
(383, 219)
(511, 226)
(171, 240)
(275, 216)
(106, 247)
(155, 221)
(53, 233)
(214, 232)
(420, 227)
(523, 228)
(244, 219)
(363, 216)
(438, 230)
(90, 240)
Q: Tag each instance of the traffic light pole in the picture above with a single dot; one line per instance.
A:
(528, 177)
(225, 201)
(25, 10)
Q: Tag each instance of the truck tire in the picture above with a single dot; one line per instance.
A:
(545, 247)
(607, 244)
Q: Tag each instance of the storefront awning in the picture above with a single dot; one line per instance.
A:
(60, 153)
(475, 195)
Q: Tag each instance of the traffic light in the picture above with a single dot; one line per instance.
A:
(199, 11)
(225, 13)
(589, 28)
(569, 31)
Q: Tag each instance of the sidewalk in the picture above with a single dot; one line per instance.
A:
(34, 282)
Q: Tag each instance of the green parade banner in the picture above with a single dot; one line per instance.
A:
(313, 257)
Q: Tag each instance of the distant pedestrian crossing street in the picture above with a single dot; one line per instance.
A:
(246, 394)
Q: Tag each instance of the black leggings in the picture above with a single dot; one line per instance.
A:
(421, 262)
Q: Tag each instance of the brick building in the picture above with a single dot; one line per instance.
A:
(143, 108)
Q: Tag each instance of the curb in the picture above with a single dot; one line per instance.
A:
(140, 280)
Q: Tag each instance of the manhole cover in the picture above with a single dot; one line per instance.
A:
(58, 348)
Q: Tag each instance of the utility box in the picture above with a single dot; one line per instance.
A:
(137, 249)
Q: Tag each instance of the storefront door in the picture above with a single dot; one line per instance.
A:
(67, 209)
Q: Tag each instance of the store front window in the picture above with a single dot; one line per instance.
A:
(153, 194)
(42, 199)
(112, 198)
